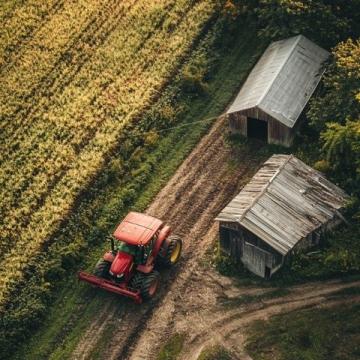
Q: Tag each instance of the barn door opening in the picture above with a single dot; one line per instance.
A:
(225, 240)
(257, 129)
(267, 272)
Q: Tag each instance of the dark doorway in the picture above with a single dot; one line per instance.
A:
(257, 129)
(225, 239)
(267, 272)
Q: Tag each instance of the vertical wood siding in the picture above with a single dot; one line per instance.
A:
(243, 246)
(238, 124)
(278, 133)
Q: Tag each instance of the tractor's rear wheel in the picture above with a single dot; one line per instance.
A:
(102, 268)
(147, 284)
(171, 255)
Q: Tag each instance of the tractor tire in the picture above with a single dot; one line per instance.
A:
(172, 253)
(147, 284)
(102, 268)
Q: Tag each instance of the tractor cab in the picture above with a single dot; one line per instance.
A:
(137, 235)
(140, 253)
(137, 229)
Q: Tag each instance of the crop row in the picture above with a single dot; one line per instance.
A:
(71, 125)
(20, 21)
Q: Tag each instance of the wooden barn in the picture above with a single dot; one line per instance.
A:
(277, 90)
(284, 208)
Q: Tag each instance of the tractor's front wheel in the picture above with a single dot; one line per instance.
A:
(147, 284)
(171, 255)
(102, 268)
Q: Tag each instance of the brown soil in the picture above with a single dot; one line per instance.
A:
(188, 301)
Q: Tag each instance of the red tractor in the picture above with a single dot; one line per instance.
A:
(128, 269)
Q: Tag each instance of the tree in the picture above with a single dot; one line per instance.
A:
(335, 113)
(341, 146)
(339, 97)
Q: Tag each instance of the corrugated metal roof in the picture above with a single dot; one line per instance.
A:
(284, 202)
(283, 80)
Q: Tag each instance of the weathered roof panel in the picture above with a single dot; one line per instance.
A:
(283, 80)
(284, 202)
(236, 208)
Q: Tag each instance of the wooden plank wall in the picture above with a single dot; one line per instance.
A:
(254, 259)
(277, 133)
(231, 243)
(240, 245)
(238, 124)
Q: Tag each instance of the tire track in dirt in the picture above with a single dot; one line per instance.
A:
(233, 336)
(97, 327)
(229, 327)
(198, 314)
(202, 185)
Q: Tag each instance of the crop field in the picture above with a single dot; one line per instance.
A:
(73, 74)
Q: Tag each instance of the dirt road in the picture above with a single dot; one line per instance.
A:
(188, 301)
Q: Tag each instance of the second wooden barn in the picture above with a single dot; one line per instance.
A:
(284, 208)
(277, 90)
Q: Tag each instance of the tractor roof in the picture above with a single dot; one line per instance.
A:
(137, 229)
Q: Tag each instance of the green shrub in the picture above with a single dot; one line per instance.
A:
(172, 348)
(215, 352)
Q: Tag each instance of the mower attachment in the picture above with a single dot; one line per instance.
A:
(109, 286)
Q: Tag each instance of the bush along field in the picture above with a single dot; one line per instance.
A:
(329, 138)
(148, 149)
